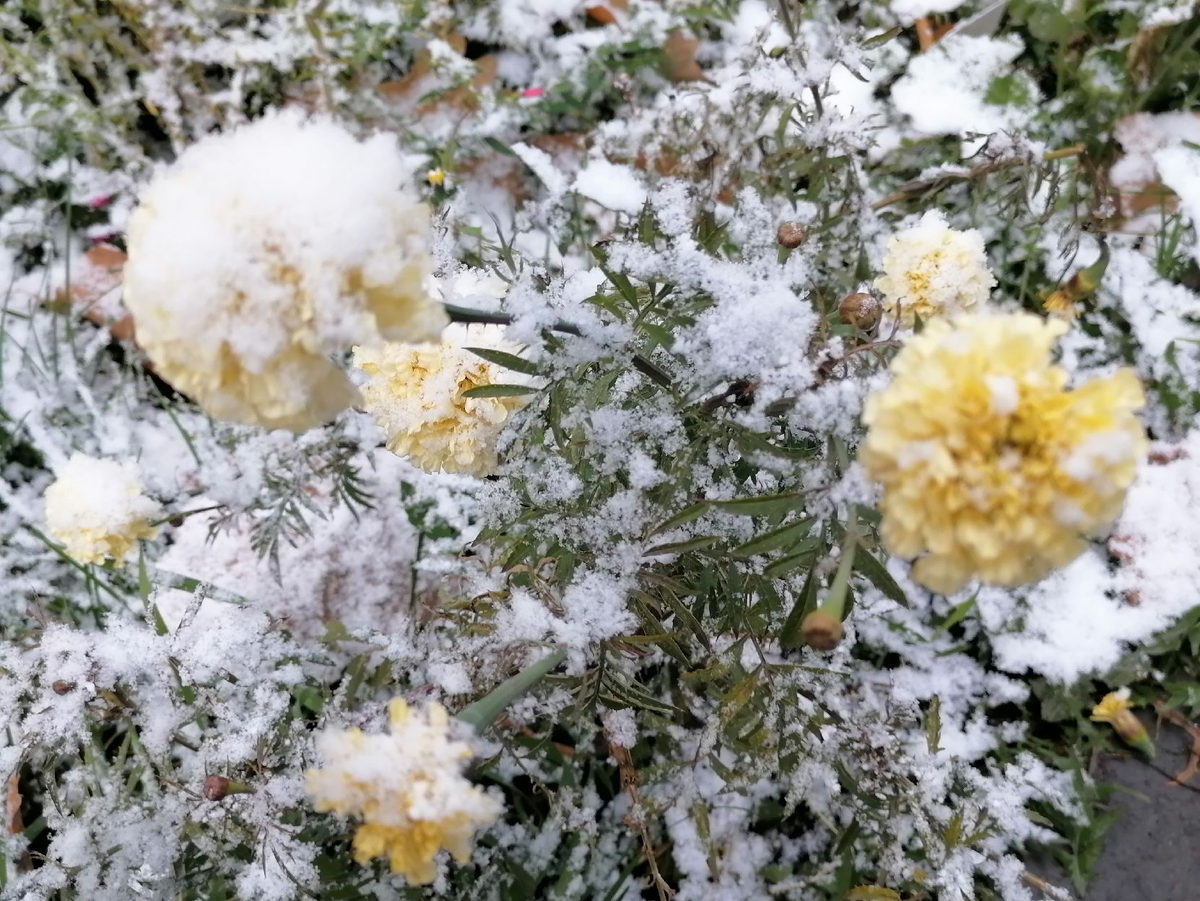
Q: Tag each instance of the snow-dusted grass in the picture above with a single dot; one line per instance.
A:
(655, 490)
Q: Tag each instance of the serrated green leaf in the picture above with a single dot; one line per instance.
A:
(500, 391)
(681, 547)
(686, 515)
(872, 893)
(685, 615)
(785, 565)
(505, 359)
(878, 576)
(777, 538)
(765, 505)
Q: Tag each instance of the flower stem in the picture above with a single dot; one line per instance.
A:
(822, 629)
(484, 712)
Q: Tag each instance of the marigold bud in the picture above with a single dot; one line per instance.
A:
(821, 630)
(860, 310)
(217, 788)
(791, 234)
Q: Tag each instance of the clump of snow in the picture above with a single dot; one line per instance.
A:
(944, 89)
(353, 566)
(612, 186)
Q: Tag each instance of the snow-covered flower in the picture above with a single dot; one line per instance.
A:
(415, 393)
(97, 508)
(934, 270)
(1114, 708)
(263, 251)
(408, 788)
(990, 466)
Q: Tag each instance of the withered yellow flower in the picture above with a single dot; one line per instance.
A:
(98, 510)
(990, 466)
(1114, 708)
(933, 270)
(1059, 303)
(407, 787)
(416, 394)
(263, 253)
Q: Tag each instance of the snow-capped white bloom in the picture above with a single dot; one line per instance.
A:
(263, 251)
(415, 393)
(934, 270)
(97, 508)
(408, 787)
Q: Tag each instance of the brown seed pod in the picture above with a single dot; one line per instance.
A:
(61, 688)
(216, 787)
(821, 630)
(860, 310)
(791, 234)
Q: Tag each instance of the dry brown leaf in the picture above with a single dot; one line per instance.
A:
(680, 50)
(1192, 769)
(12, 814)
(94, 288)
(606, 13)
(929, 34)
(412, 86)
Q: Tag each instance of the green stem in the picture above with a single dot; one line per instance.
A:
(485, 711)
(835, 602)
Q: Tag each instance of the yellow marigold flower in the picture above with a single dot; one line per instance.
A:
(1115, 709)
(933, 270)
(415, 393)
(408, 788)
(97, 509)
(990, 466)
(262, 252)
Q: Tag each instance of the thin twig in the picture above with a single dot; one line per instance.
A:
(943, 180)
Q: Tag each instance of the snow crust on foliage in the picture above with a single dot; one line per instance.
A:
(353, 566)
(612, 186)
(943, 90)
(257, 649)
